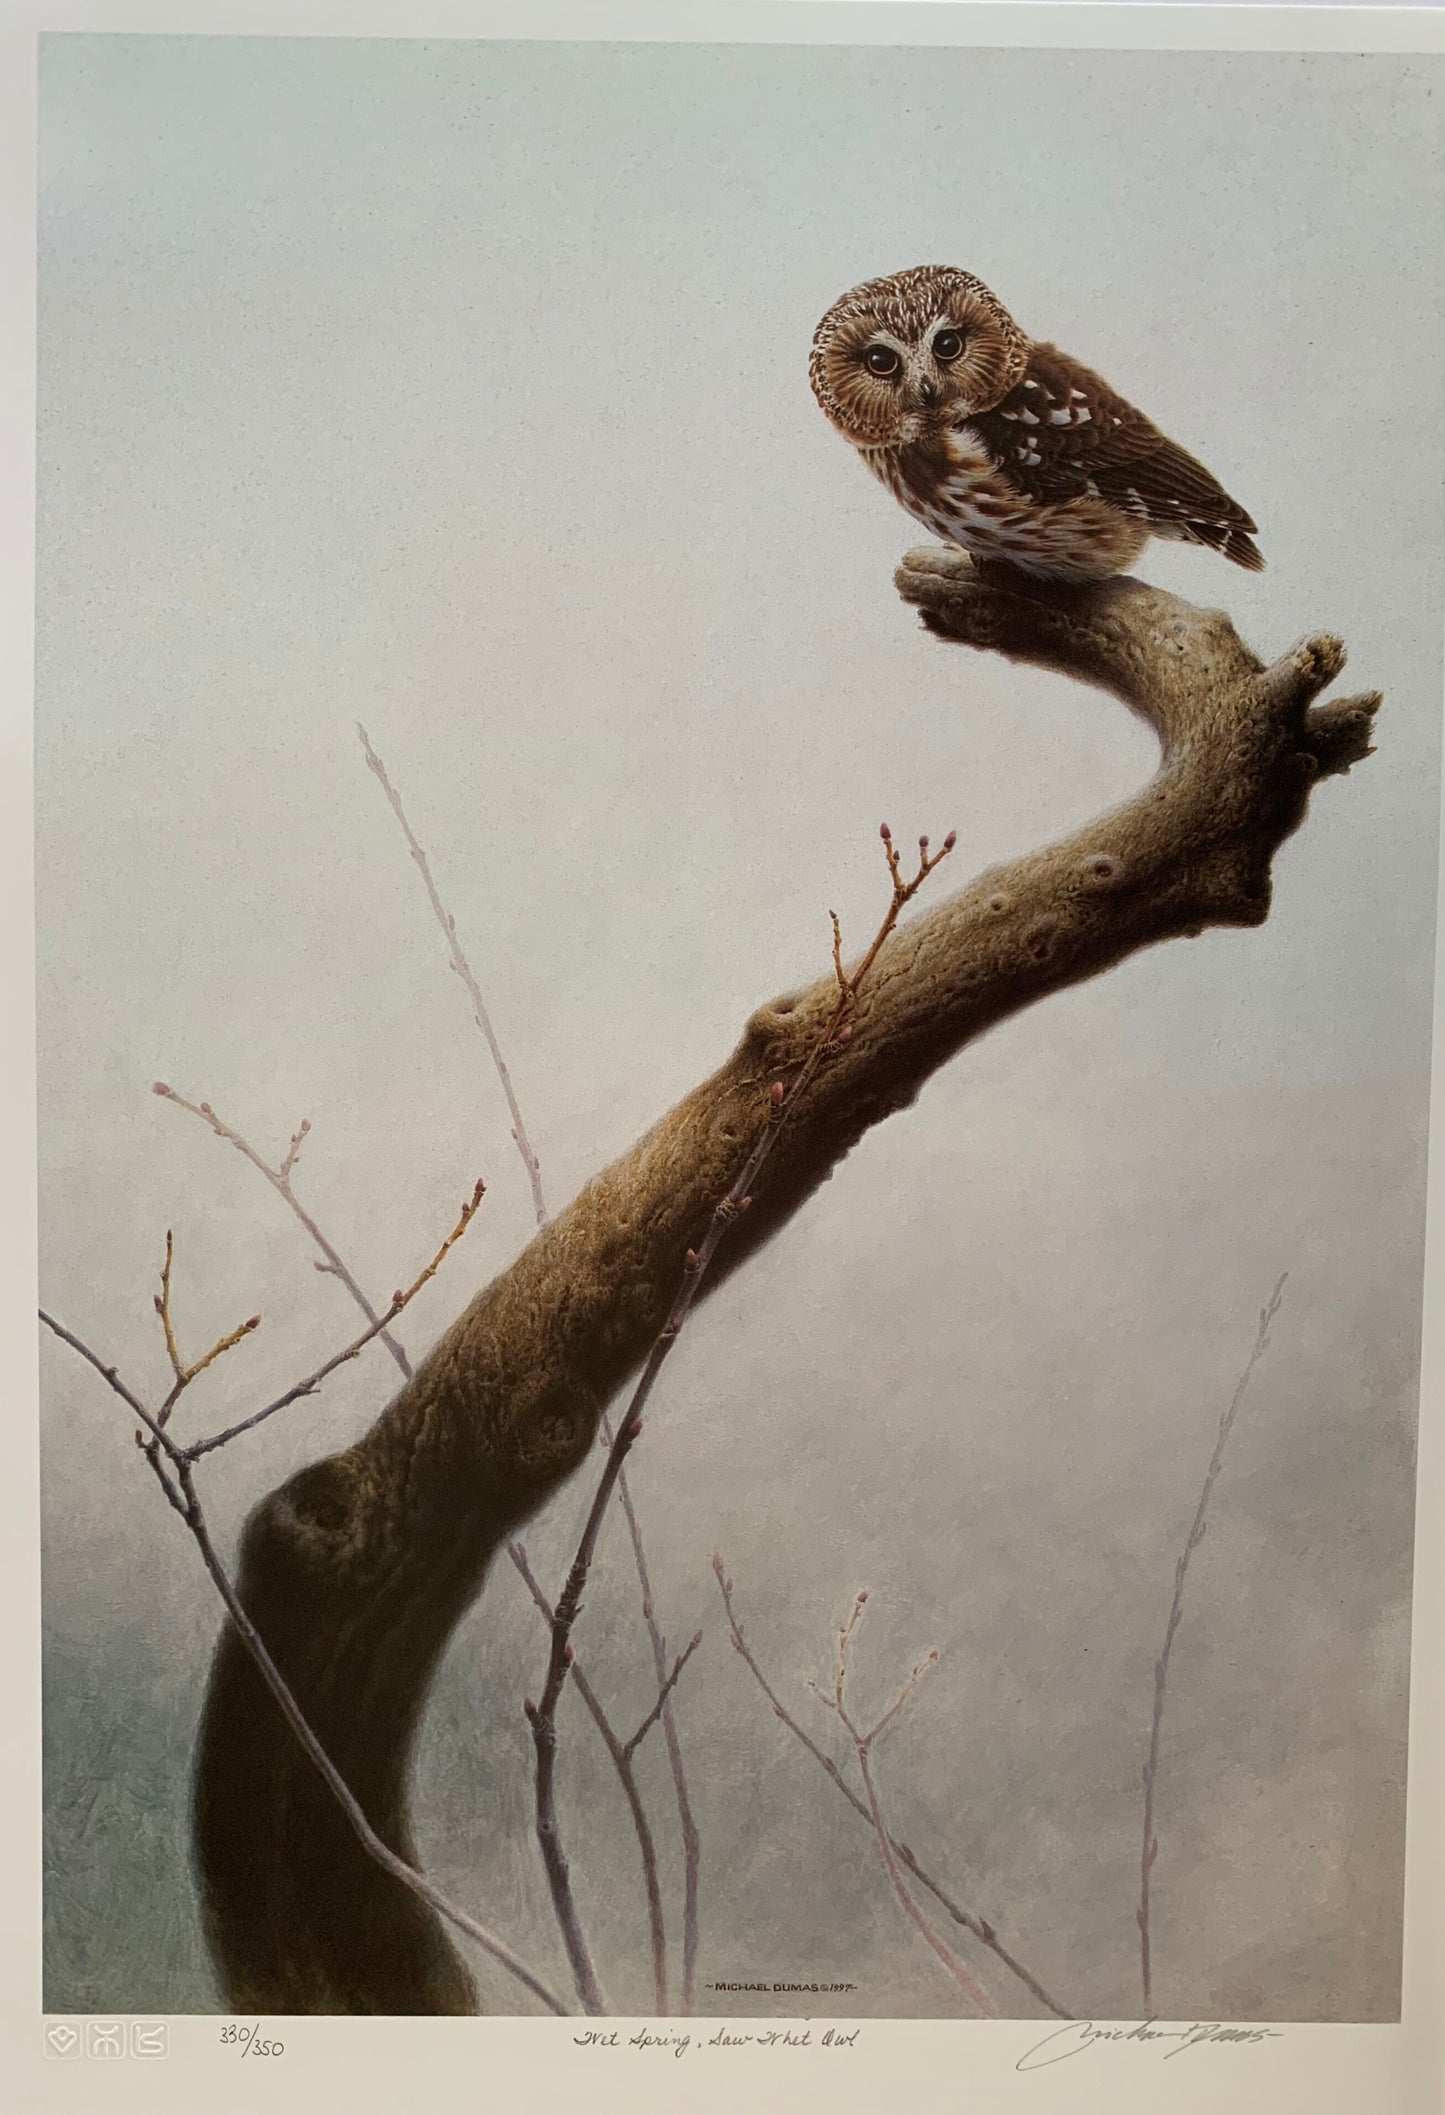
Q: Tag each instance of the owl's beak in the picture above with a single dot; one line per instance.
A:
(923, 393)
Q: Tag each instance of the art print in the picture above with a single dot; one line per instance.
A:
(732, 1174)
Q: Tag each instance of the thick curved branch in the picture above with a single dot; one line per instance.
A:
(357, 1570)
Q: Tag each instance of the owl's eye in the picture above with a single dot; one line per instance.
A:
(947, 346)
(881, 360)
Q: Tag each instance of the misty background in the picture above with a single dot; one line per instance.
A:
(460, 389)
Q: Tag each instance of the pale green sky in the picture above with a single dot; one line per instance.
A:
(462, 389)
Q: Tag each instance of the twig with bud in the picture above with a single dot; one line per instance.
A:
(330, 1264)
(980, 1927)
(462, 969)
(687, 1823)
(863, 1742)
(542, 1716)
(621, 1755)
(1192, 1540)
(185, 1374)
(400, 1301)
(174, 1467)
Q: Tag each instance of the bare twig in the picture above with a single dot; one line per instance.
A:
(185, 1374)
(691, 1840)
(163, 1309)
(631, 1746)
(982, 1930)
(863, 1742)
(279, 1178)
(1192, 1540)
(399, 1301)
(184, 1497)
(462, 969)
(160, 1442)
(627, 1776)
(543, 1716)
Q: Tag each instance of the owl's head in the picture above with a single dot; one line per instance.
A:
(897, 356)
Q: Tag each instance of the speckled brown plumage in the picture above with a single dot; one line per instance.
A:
(1005, 446)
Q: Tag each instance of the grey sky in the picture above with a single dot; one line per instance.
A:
(461, 389)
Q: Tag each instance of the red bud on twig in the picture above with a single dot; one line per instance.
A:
(885, 833)
(950, 841)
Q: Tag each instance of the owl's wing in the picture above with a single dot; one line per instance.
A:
(1063, 433)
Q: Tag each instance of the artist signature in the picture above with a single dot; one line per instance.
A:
(1081, 2035)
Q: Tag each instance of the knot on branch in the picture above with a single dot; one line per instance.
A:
(552, 1423)
(1243, 742)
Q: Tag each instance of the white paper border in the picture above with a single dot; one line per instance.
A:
(535, 2065)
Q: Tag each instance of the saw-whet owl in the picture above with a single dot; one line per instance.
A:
(1005, 445)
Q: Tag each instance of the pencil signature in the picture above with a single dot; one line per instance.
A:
(1081, 2035)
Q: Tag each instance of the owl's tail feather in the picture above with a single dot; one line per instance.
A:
(1230, 542)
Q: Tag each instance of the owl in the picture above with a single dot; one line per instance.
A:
(1003, 445)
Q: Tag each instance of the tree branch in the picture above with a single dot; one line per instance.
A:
(176, 1476)
(691, 1839)
(1150, 1848)
(660, 1705)
(400, 1300)
(331, 1265)
(834, 1031)
(622, 1763)
(358, 1569)
(953, 1963)
(982, 1930)
(462, 969)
